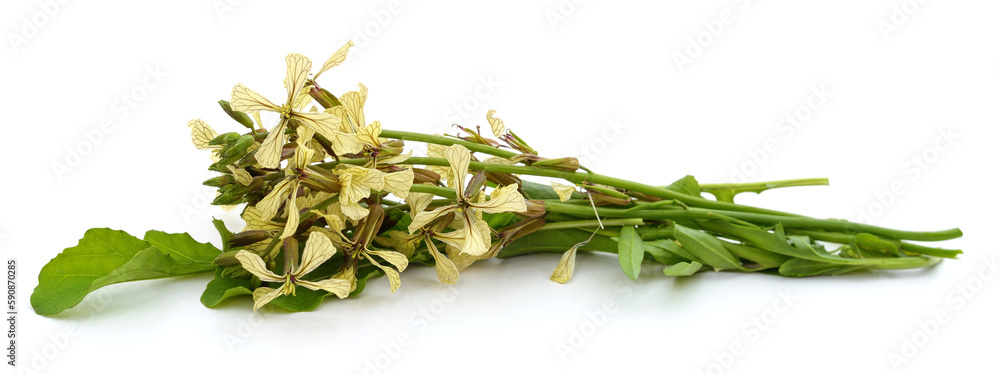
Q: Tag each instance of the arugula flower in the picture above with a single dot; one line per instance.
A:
(318, 249)
(474, 234)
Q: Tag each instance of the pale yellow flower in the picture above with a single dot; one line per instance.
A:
(357, 183)
(318, 250)
(394, 258)
(564, 271)
(496, 124)
(246, 100)
(474, 232)
(202, 134)
(336, 59)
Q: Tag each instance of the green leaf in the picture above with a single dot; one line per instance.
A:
(707, 248)
(104, 257)
(183, 247)
(662, 255)
(224, 287)
(798, 267)
(555, 241)
(223, 232)
(872, 243)
(683, 269)
(765, 259)
(304, 300)
(631, 250)
(687, 185)
(673, 248)
(498, 220)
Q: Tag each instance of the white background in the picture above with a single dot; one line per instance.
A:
(898, 75)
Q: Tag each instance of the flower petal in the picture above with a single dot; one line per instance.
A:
(447, 272)
(269, 153)
(422, 218)
(201, 134)
(264, 295)
(318, 249)
(357, 183)
(418, 201)
(393, 275)
(255, 265)
(240, 174)
(503, 199)
(398, 183)
(270, 204)
(292, 223)
(354, 211)
(324, 123)
(564, 191)
(564, 271)
(336, 59)
(496, 124)
(395, 258)
(353, 103)
(338, 287)
(245, 100)
(369, 134)
(458, 157)
(296, 74)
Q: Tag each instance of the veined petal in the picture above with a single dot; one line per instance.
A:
(496, 124)
(255, 265)
(343, 143)
(296, 74)
(336, 59)
(503, 199)
(447, 272)
(390, 273)
(318, 249)
(264, 295)
(292, 223)
(422, 218)
(498, 160)
(564, 271)
(395, 258)
(354, 211)
(563, 190)
(458, 157)
(245, 100)
(269, 204)
(324, 123)
(201, 134)
(345, 122)
(398, 183)
(402, 242)
(369, 134)
(255, 220)
(353, 103)
(241, 175)
(357, 183)
(269, 153)
(477, 237)
(338, 287)
(418, 201)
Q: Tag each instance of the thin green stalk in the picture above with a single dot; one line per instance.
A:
(591, 223)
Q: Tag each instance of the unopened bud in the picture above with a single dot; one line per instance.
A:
(219, 181)
(536, 208)
(475, 184)
(245, 238)
(323, 97)
(240, 146)
(227, 258)
(425, 176)
(320, 179)
(517, 143)
(227, 138)
(565, 163)
(291, 249)
(503, 179)
(240, 117)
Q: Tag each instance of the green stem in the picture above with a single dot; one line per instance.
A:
(592, 223)
(444, 140)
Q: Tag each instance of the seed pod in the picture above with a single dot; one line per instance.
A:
(240, 117)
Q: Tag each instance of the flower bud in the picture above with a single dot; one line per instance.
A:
(240, 117)
(536, 208)
(245, 238)
(565, 163)
(227, 138)
(219, 181)
(323, 97)
(227, 258)
(320, 179)
(240, 146)
(424, 176)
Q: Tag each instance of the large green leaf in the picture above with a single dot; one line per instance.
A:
(182, 247)
(631, 250)
(105, 257)
(687, 185)
(555, 241)
(707, 248)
